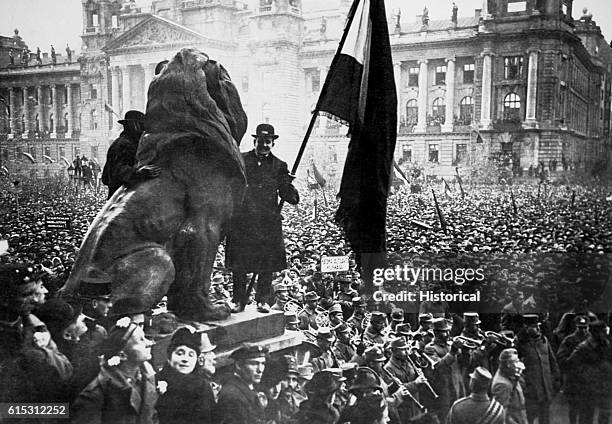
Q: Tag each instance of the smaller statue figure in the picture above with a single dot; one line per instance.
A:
(38, 57)
(25, 56)
(11, 57)
(454, 16)
(323, 28)
(398, 16)
(425, 17)
(68, 54)
(53, 56)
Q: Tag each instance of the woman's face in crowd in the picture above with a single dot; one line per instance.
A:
(138, 348)
(183, 359)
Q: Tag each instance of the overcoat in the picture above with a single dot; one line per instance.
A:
(120, 161)
(255, 238)
(541, 370)
(238, 404)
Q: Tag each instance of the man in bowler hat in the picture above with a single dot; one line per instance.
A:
(255, 240)
(121, 157)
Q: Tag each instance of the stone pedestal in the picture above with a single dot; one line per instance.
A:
(248, 326)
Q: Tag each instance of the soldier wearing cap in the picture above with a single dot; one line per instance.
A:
(239, 402)
(446, 378)
(477, 407)
(425, 322)
(541, 370)
(377, 332)
(571, 387)
(327, 358)
(219, 293)
(95, 288)
(397, 317)
(592, 361)
(318, 408)
(291, 321)
(507, 389)
(343, 348)
(291, 395)
(400, 368)
(346, 293)
(119, 168)
(255, 240)
(359, 309)
(335, 315)
(308, 315)
(281, 294)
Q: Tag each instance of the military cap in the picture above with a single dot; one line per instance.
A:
(292, 367)
(324, 333)
(96, 284)
(441, 324)
(399, 343)
(322, 383)
(425, 318)
(280, 287)
(249, 351)
(482, 375)
(365, 379)
(306, 371)
(374, 354)
(397, 315)
(531, 319)
(311, 296)
(378, 317)
(335, 308)
(342, 328)
(403, 329)
(471, 318)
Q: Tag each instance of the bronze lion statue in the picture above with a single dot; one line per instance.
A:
(161, 235)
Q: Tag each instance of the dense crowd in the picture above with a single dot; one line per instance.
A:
(366, 362)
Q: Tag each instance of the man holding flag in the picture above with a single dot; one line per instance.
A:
(360, 91)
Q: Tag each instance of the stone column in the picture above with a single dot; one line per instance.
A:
(532, 89)
(485, 106)
(26, 112)
(11, 113)
(40, 110)
(53, 110)
(125, 71)
(421, 125)
(115, 97)
(149, 71)
(69, 106)
(397, 71)
(450, 95)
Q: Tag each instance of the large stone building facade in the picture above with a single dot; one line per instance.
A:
(519, 80)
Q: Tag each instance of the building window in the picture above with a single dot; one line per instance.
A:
(50, 96)
(66, 122)
(65, 95)
(114, 21)
(412, 112)
(94, 20)
(33, 151)
(76, 151)
(433, 153)
(265, 113)
(512, 107)
(47, 150)
(315, 81)
(441, 75)
(413, 77)
(93, 92)
(37, 123)
(245, 84)
(466, 110)
(439, 111)
(407, 154)
(93, 122)
(460, 154)
(23, 123)
(51, 126)
(468, 73)
(513, 67)
(62, 152)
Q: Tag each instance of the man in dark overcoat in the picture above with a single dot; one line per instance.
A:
(119, 168)
(255, 240)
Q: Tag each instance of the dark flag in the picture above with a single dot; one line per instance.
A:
(513, 202)
(360, 91)
(399, 173)
(440, 216)
(320, 179)
(447, 189)
(459, 180)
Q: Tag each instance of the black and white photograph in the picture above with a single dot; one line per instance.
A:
(306, 211)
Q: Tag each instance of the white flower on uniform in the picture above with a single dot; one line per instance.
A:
(162, 386)
(123, 322)
(113, 361)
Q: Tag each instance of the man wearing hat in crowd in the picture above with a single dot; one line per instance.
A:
(308, 315)
(291, 321)
(219, 293)
(239, 402)
(571, 388)
(346, 294)
(343, 348)
(291, 395)
(207, 364)
(377, 332)
(507, 389)
(401, 369)
(359, 310)
(397, 317)
(477, 407)
(95, 289)
(255, 241)
(592, 361)
(446, 378)
(542, 378)
(336, 316)
(327, 358)
(425, 322)
(281, 295)
(318, 408)
(119, 168)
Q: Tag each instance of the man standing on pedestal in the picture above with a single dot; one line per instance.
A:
(255, 240)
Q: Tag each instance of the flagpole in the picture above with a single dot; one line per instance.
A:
(440, 217)
(315, 112)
